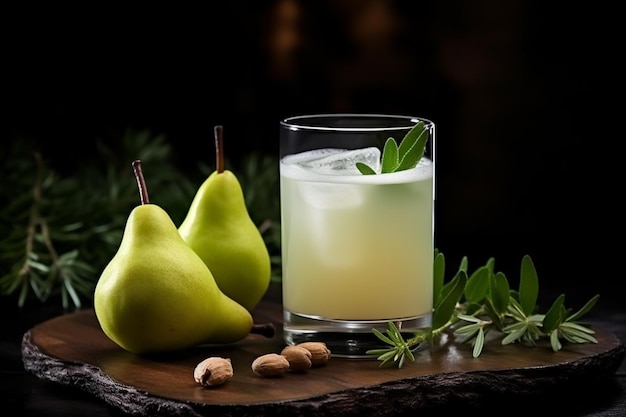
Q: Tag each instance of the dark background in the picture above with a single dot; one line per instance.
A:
(521, 92)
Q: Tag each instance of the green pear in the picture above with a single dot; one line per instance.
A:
(157, 295)
(219, 229)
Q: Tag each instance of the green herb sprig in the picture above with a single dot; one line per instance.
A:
(400, 157)
(472, 305)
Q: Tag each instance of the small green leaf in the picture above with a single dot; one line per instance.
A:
(491, 264)
(479, 343)
(472, 319)
(72, 293)
(554, 317)
(439, 270)
(39, 266)
(555, 342)
(574, 336)
(377, 352)
(394, 333)
(390, 159)
(516, 332)
(576, 328)
(451, 286)
(401, 362)
(365, 169)
(412, 147)
(529, 286)
(477, 285)
(382, 337)
(387, 355)
(585, 309)
(445, 308)
(497, 318)
(468, 330)
(466, 333)
(412, 137)
(463, 265)
(500, 294)
(410, 354)
(515, 309)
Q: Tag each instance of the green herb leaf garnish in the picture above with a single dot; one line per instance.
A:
(400, 157)
(471, 307)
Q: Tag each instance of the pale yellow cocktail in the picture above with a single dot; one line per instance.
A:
(357, 247)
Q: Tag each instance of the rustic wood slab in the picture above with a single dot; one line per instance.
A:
(72, 349)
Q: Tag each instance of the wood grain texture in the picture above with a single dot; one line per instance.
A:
(72, 350)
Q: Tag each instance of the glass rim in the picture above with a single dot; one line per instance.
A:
(296, 122)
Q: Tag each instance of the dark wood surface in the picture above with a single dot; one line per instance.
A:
(72, 350)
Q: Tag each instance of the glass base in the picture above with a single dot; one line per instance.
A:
(347, 338)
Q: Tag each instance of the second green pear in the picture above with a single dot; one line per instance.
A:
(219, 229)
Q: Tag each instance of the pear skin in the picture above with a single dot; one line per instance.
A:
(219, 229)
(157, 295)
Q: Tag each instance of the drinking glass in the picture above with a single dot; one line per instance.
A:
(357, 250)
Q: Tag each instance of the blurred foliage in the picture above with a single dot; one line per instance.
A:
(58, 230)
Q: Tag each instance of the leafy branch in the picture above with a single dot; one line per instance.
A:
(470, 306)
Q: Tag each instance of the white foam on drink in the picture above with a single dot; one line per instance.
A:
(339, 166)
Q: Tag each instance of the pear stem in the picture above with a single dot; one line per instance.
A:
(141, 182)
(219, 143)
(265, 329)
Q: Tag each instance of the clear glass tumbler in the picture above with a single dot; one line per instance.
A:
(357, 250)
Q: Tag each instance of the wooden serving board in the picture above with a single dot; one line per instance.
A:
(72, 349)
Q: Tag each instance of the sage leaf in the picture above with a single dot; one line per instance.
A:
(390, 159)
(500, 293)
(555, 342)
(479, 343)
(477, 285)
(445, 308)
(529, 286)
(464, 264)
(516, 333)
(585, 309)
(412, 147)
(491, 264)
(576, 328)
(439, 270)
(496, 317)
(467, 332)
(365, 169)
(578, 337)
(469, 318)
(555, 315)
